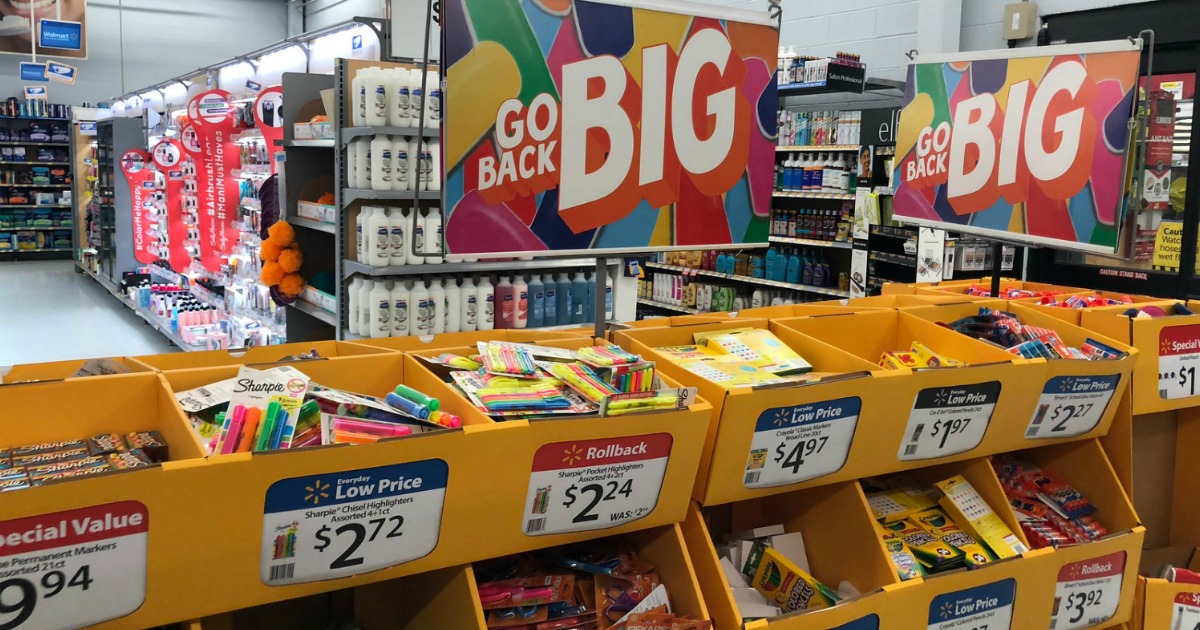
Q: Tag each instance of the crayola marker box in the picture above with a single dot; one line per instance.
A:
(785, 584)
(963, 504)
(937, 524)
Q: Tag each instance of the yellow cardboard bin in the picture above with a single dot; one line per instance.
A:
(1074, 315)
(1077, 399)
(430, 601)
(74, 368)
(899, 301)
(832, 307)
(960, 287)
(1166, 375)
(949, 413)
(263, 355)
(447, 340)
(841, 546)
(107, 549)
(1167, 605)
(769, 440)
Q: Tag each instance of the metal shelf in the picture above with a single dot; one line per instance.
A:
(351, 267)
(34, 251)
(315, 311)
(818, 148)
(32, 205)
(26, 143)
(35, 228)
(319, 226)
(28, 163)
(312, 144)
(814, 195)
(811, 242)
(807, 288)
(669, 307)
(350, 133)
(350, 195)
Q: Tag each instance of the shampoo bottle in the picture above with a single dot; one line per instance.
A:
(380, 238)
(453, 306)
(354, 305)
(579, 301)
(381, 311)
(419, 306)
(521, 303)
(397, 222)
(469, 307)
(401, 113)
(433, 99)
(563, 306)
(381, 163)
(437, 314)
(433, 236)
(418, 237)
(537, 302)
(551, 310)
(401, 176)
(504, 303)
(485, 298)
(378, 98)
(399, 309)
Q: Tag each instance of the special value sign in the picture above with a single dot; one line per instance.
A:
(1022, 145)
(597, 124)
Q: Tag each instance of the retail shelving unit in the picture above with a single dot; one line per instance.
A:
(109, 232)
(22, 222)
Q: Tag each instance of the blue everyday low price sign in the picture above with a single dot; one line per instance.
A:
(61, 72)
(35, 93)
(60, 34)
(33, 71)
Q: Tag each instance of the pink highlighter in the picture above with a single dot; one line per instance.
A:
(381, 429)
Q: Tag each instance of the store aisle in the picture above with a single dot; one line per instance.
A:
(50, 313)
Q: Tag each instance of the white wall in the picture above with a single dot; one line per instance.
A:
(161, 40)
(981, 19)
(322, 13)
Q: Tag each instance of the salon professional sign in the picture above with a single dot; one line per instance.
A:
(1023, 145)
(606, 124)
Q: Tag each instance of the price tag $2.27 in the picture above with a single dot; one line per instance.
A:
(1071, 405)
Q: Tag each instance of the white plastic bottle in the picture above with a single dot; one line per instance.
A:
(435, 165)
(354, 304)
(378, 98)
(551, 309)
(362, 163)
(412, 219)
(433, 236)
(400, 309)
(469, 305)
(433, 99)
(381, 163)
(454, 298)
(416, 82)
(360, 236)
(400, 112)
(505, 308)
(419, 307)
(359, 105)
(401, 173)
(756, 300)
(790, 169)
(844, 167)
(364, 311)
(381, 310)
(437, 316)
(520, 302)
(485, 296)
(397, 223)
(418, 238)
(425, 166)
(414, 166)
(380, 238)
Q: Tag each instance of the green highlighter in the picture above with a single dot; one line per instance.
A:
(266, 429)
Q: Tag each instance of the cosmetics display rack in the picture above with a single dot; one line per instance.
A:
(35, 178)
(724, 471)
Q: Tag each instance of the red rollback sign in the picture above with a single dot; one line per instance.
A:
(215, 121)
(268, 116)
(168, 159)
(141, 189)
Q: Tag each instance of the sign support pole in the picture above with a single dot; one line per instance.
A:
(997, 258)
(598, 301)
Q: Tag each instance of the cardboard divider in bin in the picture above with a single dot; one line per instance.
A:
(1077, 398)
(961, 287)
(831, 307)
(837, 545)
(899, 301)
(262, 355)
(439, 599)
(1165, 376)
(448, 340)
(74, 368)
(951, 413)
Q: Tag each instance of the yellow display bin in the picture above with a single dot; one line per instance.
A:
(1076, 399)
(1166, 375)
(960, 287)
(447, 340)
(841, 545)
(58, 370)
(1163, 605)
(264, 355)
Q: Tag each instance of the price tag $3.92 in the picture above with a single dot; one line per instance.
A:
(1088, 592)
(595, 484)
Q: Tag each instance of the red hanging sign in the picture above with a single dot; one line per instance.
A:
(214, 121)
(141, 188)
(168, 159)
(268, 116)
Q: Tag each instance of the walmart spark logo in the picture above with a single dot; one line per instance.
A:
(1067, 384)
(1164, 346)
(781, 418)
(572, 455)
(947, 610)
(940, 398)
(316, 492)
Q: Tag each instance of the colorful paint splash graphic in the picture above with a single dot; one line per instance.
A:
(514, 58)
(1081, 199)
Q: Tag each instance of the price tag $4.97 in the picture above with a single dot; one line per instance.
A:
(1088, 592)
(74, 568)
(595, 484)
(794, 444)
(346, 523)
(1071, 405)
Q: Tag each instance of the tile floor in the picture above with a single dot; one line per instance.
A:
(48, 312)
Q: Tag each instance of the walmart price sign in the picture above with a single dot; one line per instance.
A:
(793, 444)
(948, 420)
(1071, 405)
(74, 568)
(986, 607)
(1178, 358)
(339, 524)
(595, 484)
(1186, 612)
(1088, 592)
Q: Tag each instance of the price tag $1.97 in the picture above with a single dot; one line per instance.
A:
(948, 420)
(595, 484)
(1071, 405)
(794, 444)
(346, 523)
(1088, 592)
(74, 568)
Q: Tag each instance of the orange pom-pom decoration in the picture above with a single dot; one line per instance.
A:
(271, 274)
(292, 285)
(290, 260)
(326, 199)
(270, 251)
(282, 233)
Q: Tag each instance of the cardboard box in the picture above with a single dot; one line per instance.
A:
(261, 356)
(75, 368)
(449, 340)
(312, 210)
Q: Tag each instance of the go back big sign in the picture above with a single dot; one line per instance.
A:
(1025, 145)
